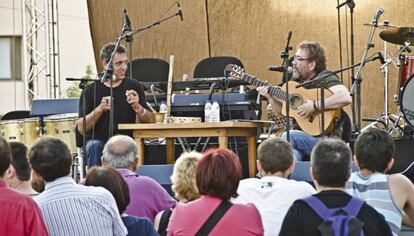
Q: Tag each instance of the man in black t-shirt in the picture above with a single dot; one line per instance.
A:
(129, 104)
(330, 169)
(309, 63)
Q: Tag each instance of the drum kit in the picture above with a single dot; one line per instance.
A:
(28, 130)
(400, 124)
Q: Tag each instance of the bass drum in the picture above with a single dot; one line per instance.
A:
(407, 101)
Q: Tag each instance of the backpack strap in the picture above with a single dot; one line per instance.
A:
(354, 206)
(318, 206)
(214, 218)
(165, 218)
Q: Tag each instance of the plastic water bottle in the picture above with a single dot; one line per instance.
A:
(215, 112)
(207, 112)
(163, 107)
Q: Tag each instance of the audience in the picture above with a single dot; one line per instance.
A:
(19, 214)
(147, 196)
(390, 195)
(20, 171)
(112, 180)
(274, 193)
(218, 175)
(330, 169)
(69, 208)
(184, 186)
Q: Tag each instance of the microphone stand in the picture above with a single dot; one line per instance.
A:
(351, 6)
(157, 22)
(108, 72)
(109, 69)
(82, 85)
(356, 86)
(285, 55)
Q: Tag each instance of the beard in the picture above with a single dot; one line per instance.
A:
(295, 75)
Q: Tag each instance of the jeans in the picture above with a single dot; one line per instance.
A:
(94, 148)
(302, 143)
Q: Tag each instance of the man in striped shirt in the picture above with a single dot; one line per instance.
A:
(69, 208)
(390, 195)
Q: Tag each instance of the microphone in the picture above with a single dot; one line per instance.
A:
(288, 69)
(377, 16)
(127, 21)
(381, 58)
(180, 13)
(153, 94)
(210, 93)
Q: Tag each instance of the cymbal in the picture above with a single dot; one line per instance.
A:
(398, 35)
(381, 26)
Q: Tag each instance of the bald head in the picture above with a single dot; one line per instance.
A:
(120, 152)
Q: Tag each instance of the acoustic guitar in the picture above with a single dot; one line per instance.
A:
(297, 96)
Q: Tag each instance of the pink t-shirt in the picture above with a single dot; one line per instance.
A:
(240, 219)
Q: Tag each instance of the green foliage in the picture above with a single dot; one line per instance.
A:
(73, 91)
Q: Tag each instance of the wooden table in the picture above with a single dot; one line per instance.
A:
(222, 130)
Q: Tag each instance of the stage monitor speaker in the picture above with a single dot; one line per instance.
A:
(404, 155)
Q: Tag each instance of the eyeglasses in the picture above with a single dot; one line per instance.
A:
(298, 58)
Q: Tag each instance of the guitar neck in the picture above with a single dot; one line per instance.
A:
(275, 91)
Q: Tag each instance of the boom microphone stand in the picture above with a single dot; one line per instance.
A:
(82, 85)
(109, 67)
(285, 55)
(356, 86)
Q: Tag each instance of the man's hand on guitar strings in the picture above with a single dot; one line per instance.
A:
(306, 109)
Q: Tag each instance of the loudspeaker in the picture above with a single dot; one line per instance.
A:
(404, 155)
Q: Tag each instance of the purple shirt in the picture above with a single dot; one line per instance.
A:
(147, 196)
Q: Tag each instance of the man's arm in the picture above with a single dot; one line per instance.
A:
(340, 98)
(94, 115)
(402, 191)
(276, 105)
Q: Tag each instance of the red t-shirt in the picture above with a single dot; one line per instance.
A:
(19, 214)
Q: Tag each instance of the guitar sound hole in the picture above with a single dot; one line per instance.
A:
(295, 101)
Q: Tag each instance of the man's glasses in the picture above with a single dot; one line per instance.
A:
(298, 58)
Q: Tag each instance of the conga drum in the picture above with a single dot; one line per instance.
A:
(62, 126)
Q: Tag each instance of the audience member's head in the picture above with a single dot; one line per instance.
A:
(374, 150)
(112, 180)
(5, 156)
(331, 163)
(19, 161)
(218, 173)
(183, 178)
(120, 152)
(275, 155)
(50, 158)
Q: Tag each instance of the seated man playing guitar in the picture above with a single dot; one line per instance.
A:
(310, 63)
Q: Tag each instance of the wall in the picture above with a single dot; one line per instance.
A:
(255, 32)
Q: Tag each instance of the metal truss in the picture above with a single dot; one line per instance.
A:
(41, 64)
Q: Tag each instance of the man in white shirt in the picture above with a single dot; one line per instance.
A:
(274, 193)
(69, 208)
